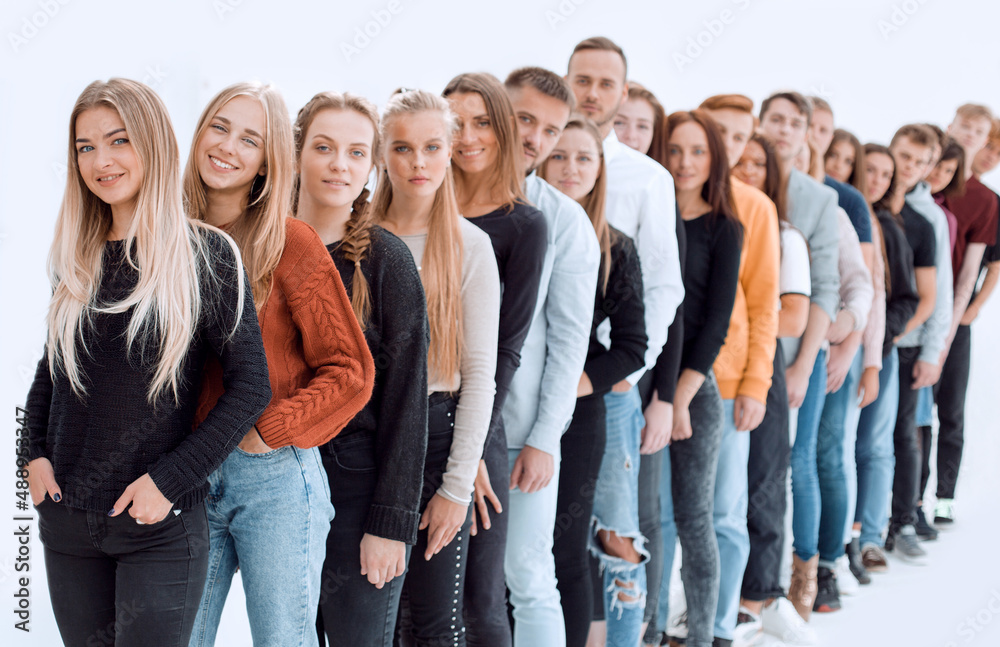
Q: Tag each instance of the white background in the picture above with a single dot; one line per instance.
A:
(880, 63)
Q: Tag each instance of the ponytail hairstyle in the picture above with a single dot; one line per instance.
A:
(441, 269)
(717, 190)
(357, 234)
(169, 252)
(594, 202)
(260, 231)
(508, 173)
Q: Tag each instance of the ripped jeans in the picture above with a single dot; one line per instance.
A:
(616, 508)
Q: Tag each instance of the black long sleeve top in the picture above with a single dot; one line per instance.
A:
(901, 293)
(396, 415)
(711, 273)
(663, 377)
(520, 240)
(100, 443)
(621, 302)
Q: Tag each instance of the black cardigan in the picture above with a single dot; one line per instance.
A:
(396, 415)
(901, 293)
(100, 443)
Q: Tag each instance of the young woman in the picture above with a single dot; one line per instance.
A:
(141, 296)
(269, 504)
(874, 446)
(488, 184)
(696, 159)
(640, 121)
(375, 465)
(576, 167)
(762, 594)
(415, 199)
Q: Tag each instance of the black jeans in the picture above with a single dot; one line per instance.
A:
(430, 613)
(115, 582)
(906, 477)
(351, 610)
(767, 473)
(650, 471)
(950, 396)
(582, 449)
(486, 618)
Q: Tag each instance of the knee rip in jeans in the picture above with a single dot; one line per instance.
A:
(626, 596)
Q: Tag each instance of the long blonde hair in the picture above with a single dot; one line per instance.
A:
(260, 231)
(357, 233)
(167, 250)
(441, 271)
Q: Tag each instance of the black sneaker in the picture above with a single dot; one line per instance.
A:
(857, 565)
(828, 596)
(906, 546)
(925, 531)
(722, 642)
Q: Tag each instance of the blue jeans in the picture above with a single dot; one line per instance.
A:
(269, 514)
(730, 520)
(850, 452)
(830, 463)
(875, 455)
(805, 481)
(925, 407)
(668, 532)
(529, 564)
(616, 508)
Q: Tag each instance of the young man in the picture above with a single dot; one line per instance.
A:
(812, 209)
(543, 392)
(920, 350)
(745, 363)
(976, 215)
(640, 203)
(837, 435)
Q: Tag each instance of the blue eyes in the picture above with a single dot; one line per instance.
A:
(86, 148)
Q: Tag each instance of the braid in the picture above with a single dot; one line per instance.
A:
(355, 245)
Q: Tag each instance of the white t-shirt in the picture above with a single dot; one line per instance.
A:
(794, 278)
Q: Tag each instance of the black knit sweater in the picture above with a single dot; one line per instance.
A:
(396, 415)
(100, 443)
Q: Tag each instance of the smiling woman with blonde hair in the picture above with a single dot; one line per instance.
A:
(141, 296)
(269, 503)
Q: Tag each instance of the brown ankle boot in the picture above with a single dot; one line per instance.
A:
(802, 591)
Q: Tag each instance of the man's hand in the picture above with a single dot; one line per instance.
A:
(748, 413)
(841, 328)
(533, 470)
(970, 315)
(924, 374)
(797, 383)
(659, 425)
(868, 386)
(585, 387)
(382, 559)
(838, 365)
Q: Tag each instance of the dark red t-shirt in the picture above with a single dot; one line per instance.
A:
(976, 212)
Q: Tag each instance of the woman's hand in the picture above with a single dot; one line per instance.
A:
(868, 386)
(148, 504)
(443, 519)
(682, 423)
(659, 426)
(253, 443)
(382, 559)
(585, 387)
(42, 480)
(484, 492)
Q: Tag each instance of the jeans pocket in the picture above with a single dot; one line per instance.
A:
(354, 454)
(262, 455)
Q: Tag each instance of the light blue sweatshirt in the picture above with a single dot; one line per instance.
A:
(931, 335)
(542, 395)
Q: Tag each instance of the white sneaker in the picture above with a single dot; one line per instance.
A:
(780, 619)
(846, 582)
(677, 624)
(748, 632)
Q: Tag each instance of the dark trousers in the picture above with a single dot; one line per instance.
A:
(582, 449)
(352, 610)
(650, 472)
(115, 582)
(906, 477)
(430, 613)
(486, 619)
(767, 473)
(950, 396)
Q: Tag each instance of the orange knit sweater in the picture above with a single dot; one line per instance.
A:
(746, 361)
(319, 365)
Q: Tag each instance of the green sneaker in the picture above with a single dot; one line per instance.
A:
(944, 512)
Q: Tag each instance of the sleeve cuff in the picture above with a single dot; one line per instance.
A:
(395, 524)
(754, 387)
(272, 431)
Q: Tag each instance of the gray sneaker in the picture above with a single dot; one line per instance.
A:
(907, 546)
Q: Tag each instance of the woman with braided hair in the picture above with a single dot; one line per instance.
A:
(375, 465)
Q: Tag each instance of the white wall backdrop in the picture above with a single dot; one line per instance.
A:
(880, 63)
